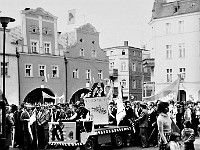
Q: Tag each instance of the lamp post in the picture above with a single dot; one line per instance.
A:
(4, 22)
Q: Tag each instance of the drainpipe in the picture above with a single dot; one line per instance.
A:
(18, 55)
(65, 59)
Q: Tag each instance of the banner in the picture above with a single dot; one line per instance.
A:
(167, 94)
(121, 113)
(71, 16)
(45, 95)
(98, 107)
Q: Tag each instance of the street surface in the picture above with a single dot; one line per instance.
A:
(107, 147)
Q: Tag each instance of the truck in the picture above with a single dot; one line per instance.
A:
(90, 134)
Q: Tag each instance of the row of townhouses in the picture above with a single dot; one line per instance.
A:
(39, 60)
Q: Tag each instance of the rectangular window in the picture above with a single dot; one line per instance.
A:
(81, 52)
(34, 46)
(181, 50)
(123, 66)
(140, 84)
(169, 75)
(42, 70)
(168, 51)
(134, 84)
(168, 28)
(111, 53)
(88, 74)
(124, 83)
(182, 73)
(134, 67)
(111, 65)
(139, 67)
(93, 53)
(100, 74)
(47, 48)
(75, 73)
(55, 72)
(6, 68)
(181, 26)
(28, 70)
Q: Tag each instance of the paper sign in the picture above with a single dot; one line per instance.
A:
(98, 107)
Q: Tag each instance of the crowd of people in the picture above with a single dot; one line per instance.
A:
(30, 123)
(151, 121)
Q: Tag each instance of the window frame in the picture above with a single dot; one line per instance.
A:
(88, 74)
(31, 70)
(168, 51)
(75, 73)
(55, 67)
(36, 47)
(6, 68)
(169, 75)
(41, 69)
(100, 74)
(50, 50)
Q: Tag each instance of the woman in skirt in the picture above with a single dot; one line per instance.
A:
(164, 126)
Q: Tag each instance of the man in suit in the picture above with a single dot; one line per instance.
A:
(143, 125)
(56, 115)
(43, 117)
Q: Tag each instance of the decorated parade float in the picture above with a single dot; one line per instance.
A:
(91, 133)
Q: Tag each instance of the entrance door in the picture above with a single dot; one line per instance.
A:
(182, 95)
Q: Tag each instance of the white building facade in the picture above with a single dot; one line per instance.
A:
(175, 45)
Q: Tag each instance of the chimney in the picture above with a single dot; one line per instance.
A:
(125, 43)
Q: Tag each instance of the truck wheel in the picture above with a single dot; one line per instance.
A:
(90, 145)
(117, 140)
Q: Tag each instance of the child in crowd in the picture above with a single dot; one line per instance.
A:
(188, 136)
(174, 144)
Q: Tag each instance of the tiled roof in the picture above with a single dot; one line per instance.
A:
(178, 7)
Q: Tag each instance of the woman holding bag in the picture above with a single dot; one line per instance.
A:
(164, 126)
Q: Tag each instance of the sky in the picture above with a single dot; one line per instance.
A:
(116, 20)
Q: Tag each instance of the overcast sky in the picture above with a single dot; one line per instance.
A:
(116, 20)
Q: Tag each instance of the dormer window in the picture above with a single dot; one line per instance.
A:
(81, 40)
(93, 42)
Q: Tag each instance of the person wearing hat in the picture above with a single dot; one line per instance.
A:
(143, 125)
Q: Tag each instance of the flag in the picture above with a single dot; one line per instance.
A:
(71, 16)
(110, 92)
(45, 95)
(33, 117)
(120, 106)
(167, 94)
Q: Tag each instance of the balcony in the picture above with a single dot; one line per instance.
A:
(113, 73)
(149, 62)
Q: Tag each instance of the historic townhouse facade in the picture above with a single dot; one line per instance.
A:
(41, 62)
(175, 45)
(126, 69)
(86, 63)
(11, 69)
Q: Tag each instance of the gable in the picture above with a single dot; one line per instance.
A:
(39, 12)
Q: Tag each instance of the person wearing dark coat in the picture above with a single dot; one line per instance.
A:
(9, 128)
(26, 137)
(143, 125)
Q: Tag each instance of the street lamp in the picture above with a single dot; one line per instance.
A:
(4, 22)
